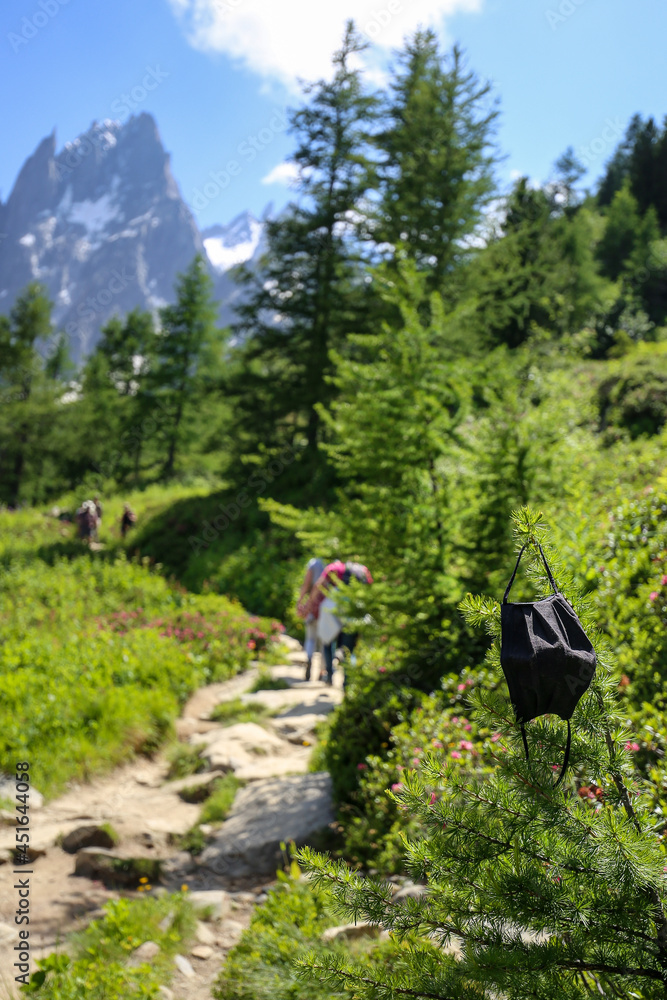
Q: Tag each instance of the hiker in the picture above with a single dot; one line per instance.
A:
(314, 570)
(334, 573)
(98, 512)
(127, 520)
(86, 519)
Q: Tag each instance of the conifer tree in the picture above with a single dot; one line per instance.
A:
(128, 347)
(391, 434)
(437, 159)
(539, 272)
(21, 374)
(187, 330)
(533, 890)
(309, 293)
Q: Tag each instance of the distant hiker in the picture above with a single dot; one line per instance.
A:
(314, 571)
(330, 627)
(98, 511)
(86, 520)
(127, 520)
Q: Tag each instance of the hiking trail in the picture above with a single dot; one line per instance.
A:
(280, 801)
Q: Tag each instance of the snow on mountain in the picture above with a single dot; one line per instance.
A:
(103, 226)
(237, 243)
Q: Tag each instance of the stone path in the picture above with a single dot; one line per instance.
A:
(281, 801)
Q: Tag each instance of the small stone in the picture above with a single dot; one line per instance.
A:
(207, 829)
(202, 951)
(165, 993)
(262, 897)
(144, 953)
(204, 934)
(348, 932)
(86, 836)
(184, 966)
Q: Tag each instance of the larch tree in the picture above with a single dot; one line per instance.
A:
(533, 889)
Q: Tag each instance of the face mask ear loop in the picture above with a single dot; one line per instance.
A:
(567, 756)
(509, 585)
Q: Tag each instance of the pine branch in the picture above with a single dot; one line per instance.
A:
(402, 990)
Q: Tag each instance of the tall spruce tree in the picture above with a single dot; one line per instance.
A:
(21, 378)
(533, 890)
(391, 439)
(187, 331)
(309, 293)
(437, 159)
(128, 348)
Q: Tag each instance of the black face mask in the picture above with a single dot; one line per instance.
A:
(546, 657)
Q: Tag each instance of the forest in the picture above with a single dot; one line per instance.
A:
(426, 372)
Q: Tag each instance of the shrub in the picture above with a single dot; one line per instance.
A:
(97, 968)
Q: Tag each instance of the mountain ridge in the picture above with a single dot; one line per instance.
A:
(103, 226)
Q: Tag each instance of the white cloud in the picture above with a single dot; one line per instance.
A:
(295, 39)
(283, 173)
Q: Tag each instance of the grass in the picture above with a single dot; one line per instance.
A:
(215, 809)
(184, 760)
(218, 805)
(228, 713)
(95, 963)
(266, 682)
(98, 653)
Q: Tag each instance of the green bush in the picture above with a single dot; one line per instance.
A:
(97, 968)
(97, 656)
(633, 397)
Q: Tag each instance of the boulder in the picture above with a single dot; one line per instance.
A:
(265, 814)
(86, 836)
(237, 747)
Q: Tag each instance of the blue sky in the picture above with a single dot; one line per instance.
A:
(567, 72)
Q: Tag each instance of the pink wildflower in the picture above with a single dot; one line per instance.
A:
(495, 737)
(415, 761)
(461, 687)
(433, 798)
(437, 743)
(455, 754)
(467, 727)
(455, 719)
(382, 670)
(632, 746)
(397, 786)
(652, 596)
(466, 745)
(663, 580)
(362, 767)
